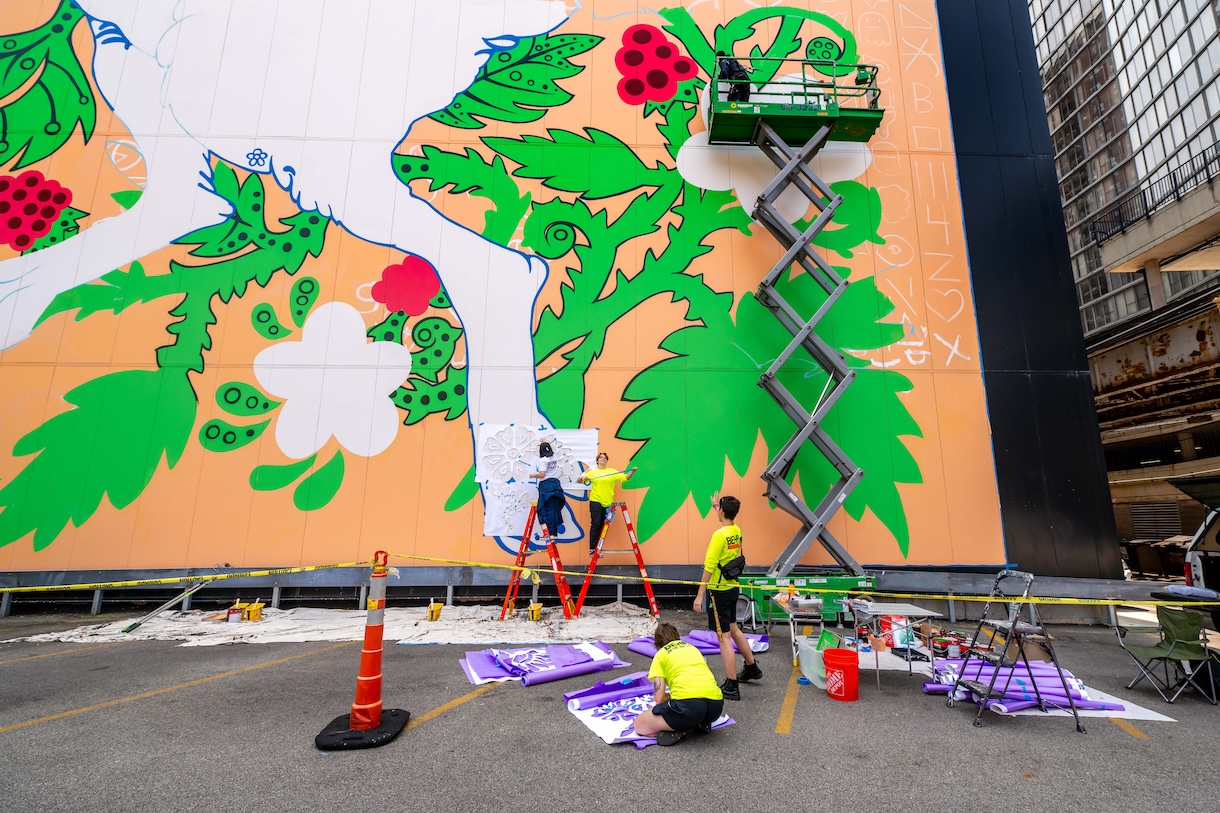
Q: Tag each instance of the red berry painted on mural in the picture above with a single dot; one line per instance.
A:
(29, 207)
(407, 287)
(651, 66)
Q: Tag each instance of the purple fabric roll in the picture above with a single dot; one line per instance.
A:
(931, 687)
(703, 640)
(565, 655)
(572, 670)
(601, 687)
(1008, 706)
(484, 666)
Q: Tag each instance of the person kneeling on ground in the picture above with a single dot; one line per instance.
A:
(684, 688)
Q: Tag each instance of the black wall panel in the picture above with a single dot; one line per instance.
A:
(1054, 499)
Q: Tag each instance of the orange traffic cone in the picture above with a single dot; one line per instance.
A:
(368, 725)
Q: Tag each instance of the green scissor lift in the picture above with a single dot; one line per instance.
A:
(790, 118)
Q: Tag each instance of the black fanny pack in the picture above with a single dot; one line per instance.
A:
(733, 569)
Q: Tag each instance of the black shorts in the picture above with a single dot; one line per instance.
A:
(726, 606)
(683, 715)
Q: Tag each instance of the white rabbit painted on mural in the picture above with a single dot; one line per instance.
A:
(318, 93)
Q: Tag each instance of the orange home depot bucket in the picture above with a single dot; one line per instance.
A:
(842, 674)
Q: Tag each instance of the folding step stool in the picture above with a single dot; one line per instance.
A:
(1004, 631)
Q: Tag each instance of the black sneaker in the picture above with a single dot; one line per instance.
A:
(750, 672)
(671, 737)
(729, 689)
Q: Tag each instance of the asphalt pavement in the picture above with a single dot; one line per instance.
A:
(153, 726)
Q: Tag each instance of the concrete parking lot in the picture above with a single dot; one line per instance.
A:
(149, 725)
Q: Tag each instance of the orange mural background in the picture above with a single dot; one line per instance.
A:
(203, 510)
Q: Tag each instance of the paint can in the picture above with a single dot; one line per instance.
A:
(535, 611)
(234, 615)
(434, 611)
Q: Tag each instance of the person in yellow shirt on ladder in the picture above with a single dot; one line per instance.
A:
(602, 481)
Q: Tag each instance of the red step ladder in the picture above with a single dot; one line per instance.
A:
(615, 507)
(514, 582)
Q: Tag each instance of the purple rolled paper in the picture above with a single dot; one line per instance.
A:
(931, 687)
(641, 678)
(1006, 706)
(609, 697)
(571, 670)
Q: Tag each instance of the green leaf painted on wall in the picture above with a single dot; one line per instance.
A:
(221, 436)
(520, 84)
(598, 165)
(127, 198)
(57, 97)
(245, 400)
(267, 323)
(319, 488)
(697, 405)
(420, 398)
(271, 477)
(470, 172)
(856, 221)
(304, 295)
(109, 444)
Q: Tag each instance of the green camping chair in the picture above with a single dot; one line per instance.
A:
(1182, 649)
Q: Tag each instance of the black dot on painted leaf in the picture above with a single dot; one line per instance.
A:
(305, 232)
(423, 360)
(459, 390)
(271, 241)
(256, 207)
(287, 247)
(57, 28)
(388, 335)
(313, 220)
(406, 399)
(436, 353)
(425, 400)
(249, 433)
(442, 395)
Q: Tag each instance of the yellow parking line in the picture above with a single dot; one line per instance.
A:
(1130, 729)
(155, 692)
(788, 709)
(62, 652)
(452, 704)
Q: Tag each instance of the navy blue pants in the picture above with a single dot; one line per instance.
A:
(550, 504)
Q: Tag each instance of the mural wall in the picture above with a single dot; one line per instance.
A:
(289, 281)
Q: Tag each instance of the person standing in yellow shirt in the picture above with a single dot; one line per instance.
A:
(602, 480)
(722, 606)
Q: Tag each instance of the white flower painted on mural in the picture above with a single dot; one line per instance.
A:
(746, 171)
(335, 381)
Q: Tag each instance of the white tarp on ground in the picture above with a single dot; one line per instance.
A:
(612, 623)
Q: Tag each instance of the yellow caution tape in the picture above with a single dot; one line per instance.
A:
(49, 588)
(533, 575)
(532, 572)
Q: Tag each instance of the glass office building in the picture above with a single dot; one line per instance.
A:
(1131, 94)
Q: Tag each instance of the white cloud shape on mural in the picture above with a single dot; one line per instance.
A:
(334, 382)
(746, 171)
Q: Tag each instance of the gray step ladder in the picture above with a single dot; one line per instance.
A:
(794, 170)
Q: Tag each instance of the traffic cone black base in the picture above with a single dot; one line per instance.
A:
(338, 737)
